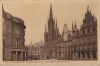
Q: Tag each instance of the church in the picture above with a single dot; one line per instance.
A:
(74, 44)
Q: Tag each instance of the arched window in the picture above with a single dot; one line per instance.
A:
(88, 31)
(93, 29)
(83, 32)
(17, 42)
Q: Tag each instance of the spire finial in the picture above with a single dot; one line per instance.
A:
(2, 5)
(72, 25)
(75, 24)
(51, 14)
(45, 28)
(56, 23)
(2, 8)
(88, 8)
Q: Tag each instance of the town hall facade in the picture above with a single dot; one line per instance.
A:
(75, 44)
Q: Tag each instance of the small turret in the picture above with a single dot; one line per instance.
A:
(65, 33)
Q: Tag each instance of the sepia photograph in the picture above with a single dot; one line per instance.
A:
(49, 31)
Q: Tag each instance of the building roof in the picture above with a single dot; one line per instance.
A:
(11, 17)
(18, 20)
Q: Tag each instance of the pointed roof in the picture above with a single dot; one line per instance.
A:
(66, 33)
(65, 28)
(88, 8)
(88, 13)
(45, 29)
(3, 13)
(72, 25)
(2, 8)
(56, 23)
(51, 13)
(75, 24)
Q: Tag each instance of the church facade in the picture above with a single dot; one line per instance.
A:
(13, 38)
(75, 44)
(51, 36)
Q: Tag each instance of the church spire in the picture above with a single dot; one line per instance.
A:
(3, 11)
(45, 29)
(56, 23)
(51, 13)
(2, 8)
(72, 25)
(75, 24)
(88, 8)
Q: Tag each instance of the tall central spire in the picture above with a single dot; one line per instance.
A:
(3, 13)
(88, 8)
(51, 13)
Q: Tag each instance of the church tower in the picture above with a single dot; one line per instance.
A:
(45, 34)
(51, 26)
(51, 36)
(65, 34)
(89, 24)
(75, 31)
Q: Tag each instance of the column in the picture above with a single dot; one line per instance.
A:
(16, 58)
(91, 56)
(81, 56)
(70, 55)
(76, 55)
(22, 55)
(85, 55)
(73, 56)
(25, 56)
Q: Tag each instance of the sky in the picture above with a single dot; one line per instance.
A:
(35, 14)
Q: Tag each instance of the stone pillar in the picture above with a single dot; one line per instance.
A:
(16, 58)
(73, 55)
(21, 55)
(81, 56)
(25, 55)
(70, 55)
(76, 55)
(96, 54)
(85, 55)
(91, 56)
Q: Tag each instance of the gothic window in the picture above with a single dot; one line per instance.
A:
(68, 48)
(83, 32)
(20, 43)
(16, 42)
(65, 55)
(93, 29)
(75, 48)
(88, 31)
(85, 47)
(80, 48)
